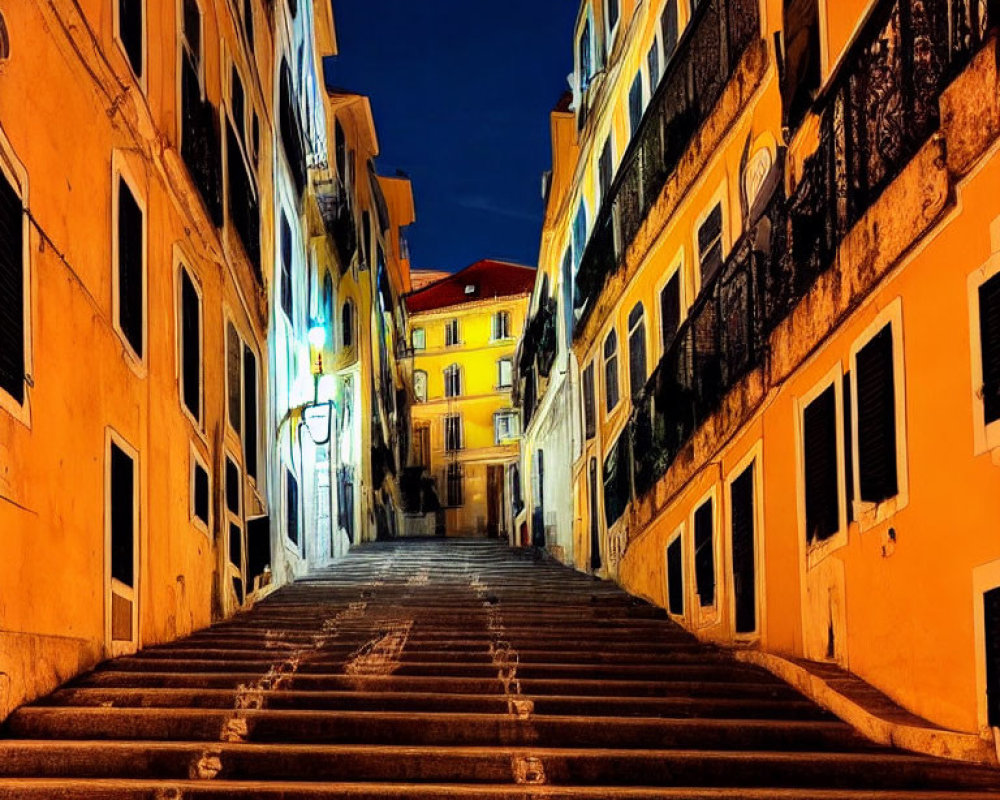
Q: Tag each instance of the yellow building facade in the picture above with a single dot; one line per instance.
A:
(778, 238)
(463, 330)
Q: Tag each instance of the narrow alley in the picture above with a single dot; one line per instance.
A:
(441, 669)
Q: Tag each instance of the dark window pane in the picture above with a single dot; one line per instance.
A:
(877, 419)
(710, 245)
(670, 310)
(669, 29)
(201, 501)
(589, 405)
(635, 103)
(989, 332)
(675, 576)
(704, 554)
(190, 345)
(11, 291)
(595, 522)
(292, 506)
(122, 516)
(744, 563)
(233, 383)
(232, 486)
(192, 26)
(617, 481)
(130, 28)
(819, 445)
(637, 351)
(235, 545)
(250, 411)
(848, 449)
(286, 267)
(130, 267)
(802, 58)
(604, 169)
(991, 619)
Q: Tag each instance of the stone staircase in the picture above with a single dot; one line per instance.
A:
(450, 669)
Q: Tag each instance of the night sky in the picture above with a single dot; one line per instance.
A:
(461, 92)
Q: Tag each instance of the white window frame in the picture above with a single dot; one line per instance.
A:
(755, 458)
(609, 30)
(494, 327)
(984, 579)
(196, 458)
(816, 552)
(514, 426)
(586, 15)
(289, 545)
(454, 369)
(130, 593)
(684, 616)
(181, 264)
(719, 198)
(15, 173)
(116, 14)
(501, 386)
(986, 438)
(869, 515)
(706, 616)
(609, 412)
(677, 269)
(120, 171)
(423, 338)
(457, 340)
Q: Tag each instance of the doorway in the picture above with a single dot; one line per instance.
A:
(121, 517)
(494, 499)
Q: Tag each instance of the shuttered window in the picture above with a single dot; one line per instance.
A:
(637, 350)
(991, 620)
(802, 58)
(675, 577)
(453, 432)
(670, 310)
(11, 291)
(232, 486)
(989, 333)
(292, 507)
(589, 402)
(130, 267)
(710, 244)
(819, 451)
(286, 267)
(452, 381)
(741, 503)
(130, 13)
(122, 516)
(250, 422)
(876, 412)
(704, 553)
(451, 333)
(200, 492)
(611, 371)
(617, 481)
(234, 384)
(190, 330)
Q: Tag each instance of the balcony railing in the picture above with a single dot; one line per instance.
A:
(880, 109)
(705, 60)
(338, 216)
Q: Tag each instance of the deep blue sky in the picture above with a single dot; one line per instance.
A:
(461, 91)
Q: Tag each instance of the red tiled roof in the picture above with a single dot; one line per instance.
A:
(487, 277)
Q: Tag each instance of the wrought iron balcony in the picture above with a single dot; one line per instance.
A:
(338, 215)
(879, 110)
(706, 58)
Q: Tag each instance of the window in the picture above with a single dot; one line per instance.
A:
(669, 30)
(637, 350)
(12, 291)
(875, 377)
(589, 404)
(234, 489)
(234, 379)
(802, 58)
(248, 22)
(611, 15)
(505, 426)
(191, 35)
(250, 419)
(635, 107)
(420, 385)
(991, 631)
(704, 553)
(605, 168)
(710, 244)
(290, 128)
(984, 315)
(237, 101)
(451, 333)
(617, 482)
(453, 381)
(130, 277)
(129, 24)
(675, 575)
(418, 339)
(286, 267)
(347, 324)
(123, 513)
(328, 300)
(200, 493)
(422, 445)
(456, 481)
(584, 55)
(292, 507)
(743, 532)
(595, 519)
(505, 373)
(611, 371)
(501, 325)
(653, 68)
(670, 310)
(819, 451)
(453, 432)
(190, 346)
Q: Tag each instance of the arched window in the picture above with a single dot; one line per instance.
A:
(347, 324)
(453, 381)
(611, 371)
